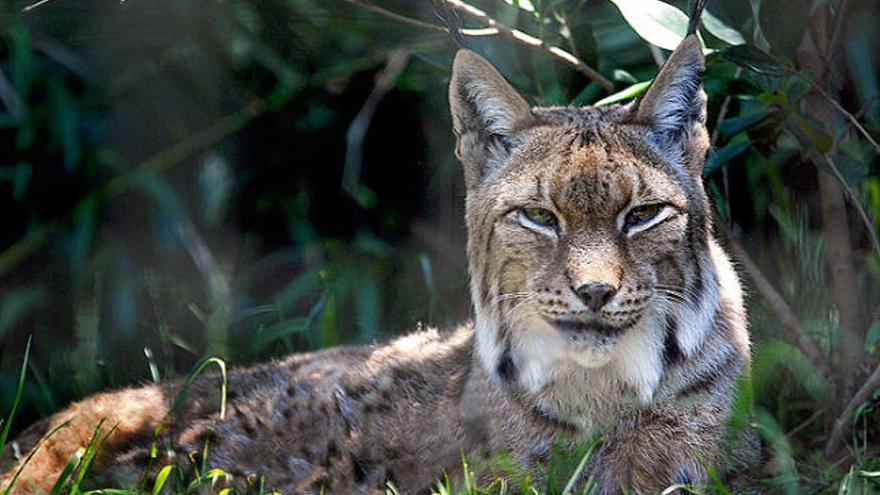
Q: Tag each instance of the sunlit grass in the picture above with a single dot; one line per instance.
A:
(564, 475)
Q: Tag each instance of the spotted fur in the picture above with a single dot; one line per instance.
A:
(649, 364)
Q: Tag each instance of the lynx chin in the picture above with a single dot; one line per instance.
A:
(603, 307)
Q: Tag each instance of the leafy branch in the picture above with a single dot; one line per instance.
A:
(493, 27)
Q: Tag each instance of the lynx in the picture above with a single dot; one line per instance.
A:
(603, 306)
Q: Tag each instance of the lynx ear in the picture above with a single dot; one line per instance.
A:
(674, 108)
(486, 114)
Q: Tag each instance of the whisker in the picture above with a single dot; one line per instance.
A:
(524, 301)
(511, 295)
(673, 295)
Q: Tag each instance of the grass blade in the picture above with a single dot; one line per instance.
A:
(162, 477)
(89, 457)
(8, 489)
(569, 487)
(4, 434)
(71, 465)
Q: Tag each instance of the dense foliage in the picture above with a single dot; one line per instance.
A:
(247, 178)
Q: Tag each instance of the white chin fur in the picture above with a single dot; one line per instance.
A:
(540, 353)
(488, 348)
(638, 356)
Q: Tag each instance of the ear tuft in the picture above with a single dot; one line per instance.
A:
(486, 113)
(674, 107)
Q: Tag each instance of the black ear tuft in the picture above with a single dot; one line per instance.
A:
(449, 18)
(697, 7)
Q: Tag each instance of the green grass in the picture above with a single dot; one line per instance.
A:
(564, 469)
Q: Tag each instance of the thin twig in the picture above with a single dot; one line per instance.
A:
(791, 327)
(722, 114)
(844, 421)
(566, 33)
(61, 54)
(35, 5)
(813, 417)
(854, 201)
(839, 18)
(530, 41)
(849, 116)
(217, 282)
(417, 23)
(9, 97)
(357, 130)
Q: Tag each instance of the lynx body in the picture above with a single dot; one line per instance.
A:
(603, 306)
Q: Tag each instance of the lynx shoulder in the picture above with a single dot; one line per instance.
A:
(602, 306)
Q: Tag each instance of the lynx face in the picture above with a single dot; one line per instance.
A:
(582, 236)
(586, 225)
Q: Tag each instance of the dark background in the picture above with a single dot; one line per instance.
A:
(174, 184)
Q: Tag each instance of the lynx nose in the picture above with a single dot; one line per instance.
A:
(595, 294)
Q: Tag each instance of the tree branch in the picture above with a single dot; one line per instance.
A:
(814, 54)
(417, 23)
(530, 41)
(847, 114)
(844, 421)
(357, 130)
(854, 201)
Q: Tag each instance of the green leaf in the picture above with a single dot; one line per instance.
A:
(576, 476)
(329, 324)
(161, 478)
(810, 134)
(278, 331)
(723, 155)
(624, 76)
(784, 24)
(91, 452)
(625, 94)
(873, 337)
(66, 125)
(753, 59)
(853, 171)
(721, 30)
(729, 127)
(4, 434)
(68, 470)
(656, 22)
(111, 491)
(522, 4)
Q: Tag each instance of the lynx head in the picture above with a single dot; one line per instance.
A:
(587, 226)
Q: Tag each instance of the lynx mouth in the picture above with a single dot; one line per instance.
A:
(590, 327)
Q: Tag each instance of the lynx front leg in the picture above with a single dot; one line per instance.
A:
(660, 447)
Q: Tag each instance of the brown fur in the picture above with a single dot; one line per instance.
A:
(651, 368)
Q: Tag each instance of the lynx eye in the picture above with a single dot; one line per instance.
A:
(641, 215)
(540, 217)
